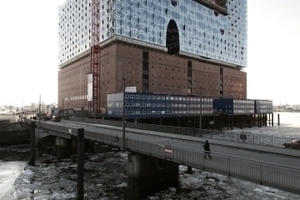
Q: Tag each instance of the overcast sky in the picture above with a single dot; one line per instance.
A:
(29, 65)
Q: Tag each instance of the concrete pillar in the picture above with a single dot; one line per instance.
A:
(62, 148)
(89, 146)
(147, 175)
(74, 145)
(190, 170)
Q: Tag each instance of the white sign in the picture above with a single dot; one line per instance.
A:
(168, 149)
(130, 89)
(90, 87)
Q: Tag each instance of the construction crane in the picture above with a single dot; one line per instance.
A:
(95, 53)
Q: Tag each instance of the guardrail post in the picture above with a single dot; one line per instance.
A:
(182, 155)
(80, 164)
(228, 166)
(260, 175)
(32, 145)
(203, 161)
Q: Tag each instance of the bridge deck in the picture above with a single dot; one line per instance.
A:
(259, 165)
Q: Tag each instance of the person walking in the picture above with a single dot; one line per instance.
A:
(206, 150)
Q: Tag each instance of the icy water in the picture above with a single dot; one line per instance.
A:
(9, 171)
(106, 176)
(290, 119)
(289, 126)
(13, 160)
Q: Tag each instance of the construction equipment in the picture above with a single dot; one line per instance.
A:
(94, 104)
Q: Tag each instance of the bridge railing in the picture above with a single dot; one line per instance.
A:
(240, 137)
(279, 176)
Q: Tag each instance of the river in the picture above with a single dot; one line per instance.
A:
(12, 162)
(291, 119)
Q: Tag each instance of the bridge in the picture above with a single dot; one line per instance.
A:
(154, 156)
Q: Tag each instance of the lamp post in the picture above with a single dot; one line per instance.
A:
(40, 113)
(123, 114)
(200, 117)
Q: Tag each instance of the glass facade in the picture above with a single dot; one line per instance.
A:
(202, 31)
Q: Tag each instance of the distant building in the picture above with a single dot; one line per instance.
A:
(158, 46)
(33, 106)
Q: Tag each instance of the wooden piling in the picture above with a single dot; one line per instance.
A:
(32, 145)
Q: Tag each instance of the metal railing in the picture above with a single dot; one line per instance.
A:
(249, 138)
(205, 133)
(278, 176)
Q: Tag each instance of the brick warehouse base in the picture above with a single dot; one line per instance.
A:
(150, 71)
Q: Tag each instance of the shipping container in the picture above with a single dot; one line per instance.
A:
(142, 105)
(234, 106)
(263, 106)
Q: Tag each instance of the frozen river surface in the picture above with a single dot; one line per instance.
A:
(12, 164)
(106, 178)
(9, 171)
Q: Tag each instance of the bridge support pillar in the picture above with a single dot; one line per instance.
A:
(62, 147)
(190, 170)
(147, 175)
(74, 145)
(90, 146)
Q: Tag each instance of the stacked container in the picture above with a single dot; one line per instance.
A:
(263, 106)
(234, 106)
(142, 105)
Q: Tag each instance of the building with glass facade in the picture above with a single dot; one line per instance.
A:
(203, 31)
(178, 47)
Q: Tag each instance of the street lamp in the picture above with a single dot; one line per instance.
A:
(200, 117)
(40, 113)
(123, 114)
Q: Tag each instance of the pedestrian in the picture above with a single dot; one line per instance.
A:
(206, 150)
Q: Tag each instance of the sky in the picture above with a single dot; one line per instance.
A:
(273, 56)
(29, 51)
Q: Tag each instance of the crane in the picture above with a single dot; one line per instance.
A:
(95, 53)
